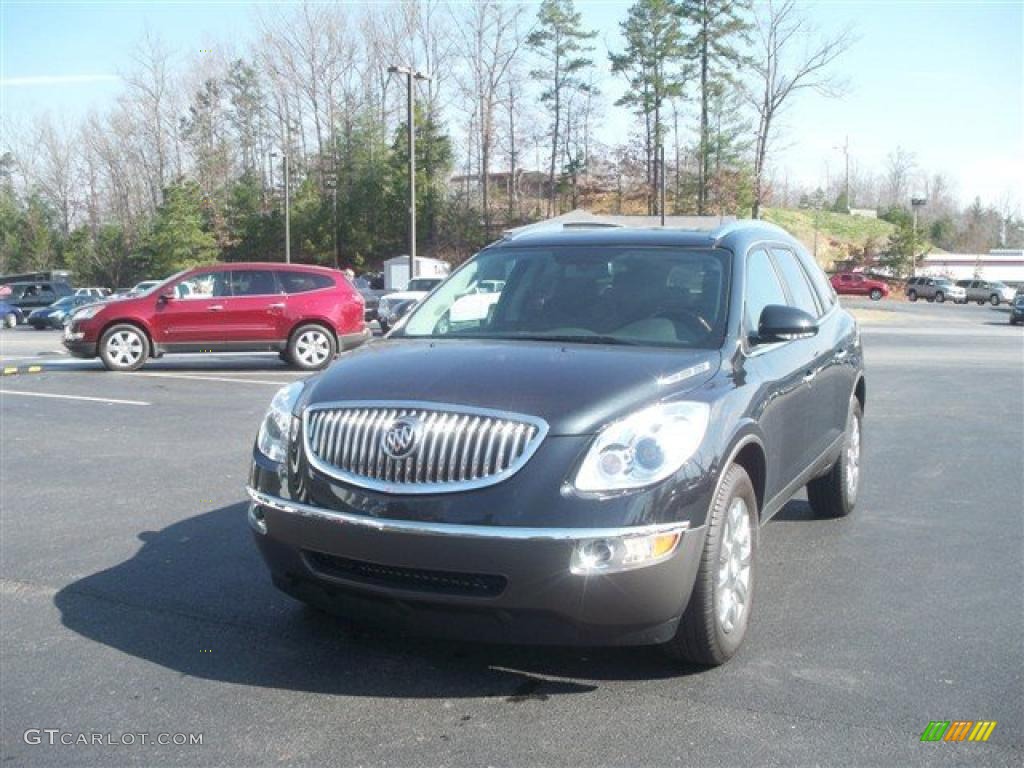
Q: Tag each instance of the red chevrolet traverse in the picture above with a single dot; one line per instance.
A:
(304, 313)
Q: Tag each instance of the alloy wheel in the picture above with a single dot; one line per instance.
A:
(124, 348)
(852, 458)
(734, 558)
(312, 348)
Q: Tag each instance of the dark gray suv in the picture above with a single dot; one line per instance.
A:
(587, 458)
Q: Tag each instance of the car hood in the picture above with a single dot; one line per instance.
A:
(576, 388)
(404, 296)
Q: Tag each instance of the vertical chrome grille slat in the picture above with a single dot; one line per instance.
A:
(454, 448)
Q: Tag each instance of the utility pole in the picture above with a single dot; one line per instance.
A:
(661, 182)
(915, 203)
(410, 75)
(332, 184)
(287, 208)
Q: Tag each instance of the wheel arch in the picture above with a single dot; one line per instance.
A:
(747, 450)
(860, 392)
(321, 321)
(127, 321)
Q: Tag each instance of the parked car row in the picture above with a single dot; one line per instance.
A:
(393, 306)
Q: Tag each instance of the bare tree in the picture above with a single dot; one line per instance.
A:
(899, 167)
(781, 71)
(57, 171)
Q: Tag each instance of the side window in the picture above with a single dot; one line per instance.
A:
(252, 282)
(826, 294)
(202, 285)
(799, 288)
(302, 282)
(762, 288)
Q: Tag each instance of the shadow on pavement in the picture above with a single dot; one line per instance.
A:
(196, 598)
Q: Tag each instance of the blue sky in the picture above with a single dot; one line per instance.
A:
(942, 79)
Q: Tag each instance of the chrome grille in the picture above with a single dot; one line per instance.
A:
(454, 448)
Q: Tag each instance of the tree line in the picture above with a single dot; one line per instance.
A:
(187, 166)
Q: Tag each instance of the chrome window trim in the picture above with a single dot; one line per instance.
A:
(416, 527)
(419, 489)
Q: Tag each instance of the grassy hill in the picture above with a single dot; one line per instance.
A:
(838, 233)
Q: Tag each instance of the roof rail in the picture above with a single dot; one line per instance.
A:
(732, 226)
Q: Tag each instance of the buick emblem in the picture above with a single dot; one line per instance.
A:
(402, 438)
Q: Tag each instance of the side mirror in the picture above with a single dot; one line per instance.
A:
(166, 296)
(782, 323)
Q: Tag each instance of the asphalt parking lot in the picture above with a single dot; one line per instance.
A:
(133, 599)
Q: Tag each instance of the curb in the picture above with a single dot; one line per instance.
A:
(11, 370)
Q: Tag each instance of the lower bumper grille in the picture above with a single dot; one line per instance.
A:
(414, 579)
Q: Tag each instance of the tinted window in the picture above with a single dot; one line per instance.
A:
(301, 282)
(597, 294)
(763, 288)
(822, 287)
(800, 291)
(423, 284)
(252, 282)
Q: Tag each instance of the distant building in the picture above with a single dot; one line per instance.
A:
(864, 213)
(1004, 264)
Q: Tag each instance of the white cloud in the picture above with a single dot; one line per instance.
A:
(36, 80)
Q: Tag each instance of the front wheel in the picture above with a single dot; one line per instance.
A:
(10, 320)
(124, 348)
(940, 297)
(715, 620)
(876, 295)
(312, 347)
(835, 494)
(912, 295)
(995, 300)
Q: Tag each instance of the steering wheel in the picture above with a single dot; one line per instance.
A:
(692, 321)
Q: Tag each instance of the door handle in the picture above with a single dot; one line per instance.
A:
(215, 308)
(842, 353)
(276, 306)
(809, 376)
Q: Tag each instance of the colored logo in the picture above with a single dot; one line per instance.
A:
(401, 438)
(958, 730)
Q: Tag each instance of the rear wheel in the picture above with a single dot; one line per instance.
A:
(981, 302)
(912, 295)
(835, 494)
(124, 348)
(715, 620)
(876, 295)
(995, 300)
(312, 347)
(10, 320)
(940, 297)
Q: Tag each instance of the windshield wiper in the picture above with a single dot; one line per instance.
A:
(595, 339)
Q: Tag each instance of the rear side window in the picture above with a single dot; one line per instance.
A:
(302, 282)
(794, 276)
(822, 287)
(253, 282)
(762, 288)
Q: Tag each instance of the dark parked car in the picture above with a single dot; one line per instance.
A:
(306, 314)
(10, 315)
(33, 294)
(589, 461)
(856, 284)
(1017, 310)
(54, 315)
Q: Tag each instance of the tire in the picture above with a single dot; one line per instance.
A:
(912, 295)
(124, 347)
(10, 320)
(940, 297)
(835, 494)
(710, 631)
(876, 295)
(995, 300)
(312, 347)
(981, 302)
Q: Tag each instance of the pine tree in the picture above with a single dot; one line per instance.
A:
(560, 41)
(179, 237)
(653, 65)
(719, 27)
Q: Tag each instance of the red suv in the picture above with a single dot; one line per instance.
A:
(306, 314)
(855, 284)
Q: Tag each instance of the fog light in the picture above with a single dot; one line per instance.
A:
(623, 553)
(256, 519)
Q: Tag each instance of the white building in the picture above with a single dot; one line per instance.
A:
(396, 271)
(1004, 264)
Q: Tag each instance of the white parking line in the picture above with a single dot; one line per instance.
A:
(191, 377)
(71, 397)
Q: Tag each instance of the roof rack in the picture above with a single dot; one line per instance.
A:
(732, 226)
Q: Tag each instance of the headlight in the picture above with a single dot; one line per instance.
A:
(273, 437)
(643, 448)
(86, 313)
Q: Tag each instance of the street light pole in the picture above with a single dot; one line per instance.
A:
(410, 97)
(287, 208)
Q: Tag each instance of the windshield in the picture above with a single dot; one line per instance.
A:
(609, 295)
(423, 284)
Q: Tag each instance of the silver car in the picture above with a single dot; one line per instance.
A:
(935, 289)
(992, 291)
